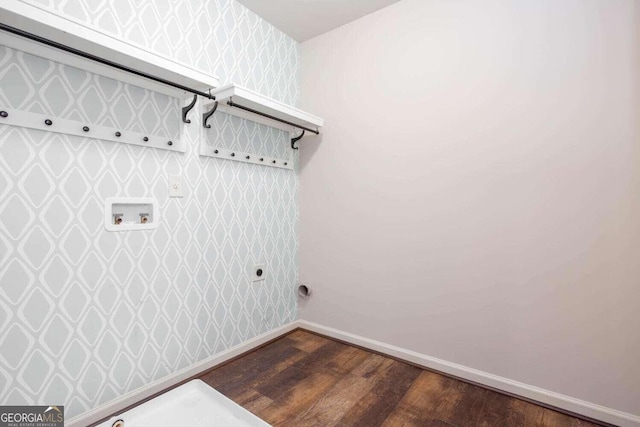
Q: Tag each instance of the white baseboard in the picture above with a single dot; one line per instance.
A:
(557, 400)
(135, 396)
(551, 398)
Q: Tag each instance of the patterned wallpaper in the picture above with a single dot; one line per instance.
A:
(233, 133)
(220, 37)
(87, 315)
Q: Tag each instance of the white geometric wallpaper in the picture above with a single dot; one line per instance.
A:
(219, 37)
(233, 133)
(87, 315)
(37, 85)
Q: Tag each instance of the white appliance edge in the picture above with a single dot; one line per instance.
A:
(117, 405)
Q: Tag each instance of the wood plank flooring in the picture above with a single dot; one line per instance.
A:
(304, 379)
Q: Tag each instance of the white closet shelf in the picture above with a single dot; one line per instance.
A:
(242, 97)
(33, 18)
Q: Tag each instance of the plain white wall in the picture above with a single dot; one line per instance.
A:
(475, 195)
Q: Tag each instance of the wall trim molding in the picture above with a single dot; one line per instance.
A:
(567, 403)
(546, 397)
(170, 381)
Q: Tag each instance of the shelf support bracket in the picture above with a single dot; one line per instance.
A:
(205, 116)
(185, 110)
(296, 139)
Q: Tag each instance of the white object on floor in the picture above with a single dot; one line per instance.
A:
(192, 404)
(119, 404)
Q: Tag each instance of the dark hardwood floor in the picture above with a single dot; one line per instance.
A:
(304, 379)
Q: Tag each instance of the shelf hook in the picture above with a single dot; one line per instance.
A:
(296, 139)
(205, 116)
(188, 108)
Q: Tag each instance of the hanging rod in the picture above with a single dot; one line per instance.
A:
(230, 103)
(100, 60)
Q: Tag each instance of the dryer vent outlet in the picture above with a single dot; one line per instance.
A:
(304, 291)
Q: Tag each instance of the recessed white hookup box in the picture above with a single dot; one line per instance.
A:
(131, 213)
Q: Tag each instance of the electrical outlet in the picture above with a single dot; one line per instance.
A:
(259, 273)
(175, 186)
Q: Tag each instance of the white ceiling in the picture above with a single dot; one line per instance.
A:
(305, 19)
